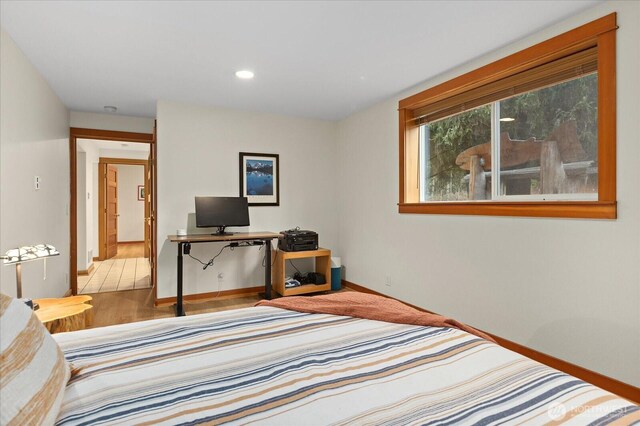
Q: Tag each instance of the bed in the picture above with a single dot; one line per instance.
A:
(274, 366)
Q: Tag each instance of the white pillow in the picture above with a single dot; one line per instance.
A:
(33, 371)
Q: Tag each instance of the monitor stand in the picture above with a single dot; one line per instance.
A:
(221, 231)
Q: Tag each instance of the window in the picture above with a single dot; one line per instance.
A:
(530, 135)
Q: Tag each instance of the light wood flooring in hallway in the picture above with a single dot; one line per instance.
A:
(128, 270)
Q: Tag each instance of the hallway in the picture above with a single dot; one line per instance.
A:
(128, 270)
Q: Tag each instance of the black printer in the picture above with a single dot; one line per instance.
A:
(298, 240)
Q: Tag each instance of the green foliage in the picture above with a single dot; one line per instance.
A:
(536, 114)
(448, 138)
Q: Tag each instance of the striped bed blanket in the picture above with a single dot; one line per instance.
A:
(266, 365)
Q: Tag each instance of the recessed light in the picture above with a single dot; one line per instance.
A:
(110, 108)
(507, 119)
(244, 74)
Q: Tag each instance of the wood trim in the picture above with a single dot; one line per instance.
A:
(126, 161)
(412, 163)
(87, 271)
(403, 114)
(600, 33)
(214, 295)
(612, 385)
(76, 133)
(73, 215)
(130, 242)
(102, 250)
(573, 209)
(553, 48)
(111, 135)
(153, 256)
(96, 258)
(607, 133)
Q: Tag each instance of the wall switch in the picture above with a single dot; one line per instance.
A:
(36, 182)
(387, 280)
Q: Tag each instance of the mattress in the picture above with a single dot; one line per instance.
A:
(265, 365)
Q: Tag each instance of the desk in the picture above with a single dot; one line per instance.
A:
(183, 240)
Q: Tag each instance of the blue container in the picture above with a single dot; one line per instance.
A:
(336, 274)
(336, 279)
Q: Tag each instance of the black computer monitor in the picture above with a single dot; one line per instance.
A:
(221, 212)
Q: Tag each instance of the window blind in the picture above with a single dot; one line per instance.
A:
(563, 69)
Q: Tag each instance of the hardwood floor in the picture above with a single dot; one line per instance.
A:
(116, 275)
(127, 270)
(129, 250)
(137, 305)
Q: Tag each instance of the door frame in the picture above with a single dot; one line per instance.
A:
(76, 133)
(102, 220)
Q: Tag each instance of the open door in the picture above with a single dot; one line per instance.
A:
(112, 210)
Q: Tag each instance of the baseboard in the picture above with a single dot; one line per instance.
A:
(68, 293)
(214, 295)
(86, 271)
(96, 258)
(612, 385)
(130, 242)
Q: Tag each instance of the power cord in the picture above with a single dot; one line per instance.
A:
(264, 258)
(230, 247)
(210, 262)
(294, 266)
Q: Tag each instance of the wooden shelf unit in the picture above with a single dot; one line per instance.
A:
(322, 265)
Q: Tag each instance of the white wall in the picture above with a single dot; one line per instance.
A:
(123, 123)
(198, 155)
(34, 140)
(114, 153)
(131, 211)
(87, 202)
(567, 287)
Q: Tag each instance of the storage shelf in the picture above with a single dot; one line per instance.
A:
(322, 265)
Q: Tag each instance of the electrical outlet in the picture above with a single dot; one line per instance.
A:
(387, 280)
(36, 182)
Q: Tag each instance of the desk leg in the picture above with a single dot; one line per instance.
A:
(267, 271)
(179, 307)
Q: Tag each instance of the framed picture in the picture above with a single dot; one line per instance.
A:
(140, 192)
(260, 178)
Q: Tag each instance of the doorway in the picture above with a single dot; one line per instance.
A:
(113, 219)
(121, 228)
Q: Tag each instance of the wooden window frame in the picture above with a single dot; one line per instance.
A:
(599, 33)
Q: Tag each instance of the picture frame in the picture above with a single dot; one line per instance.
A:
(260, 178)
(140, 192)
